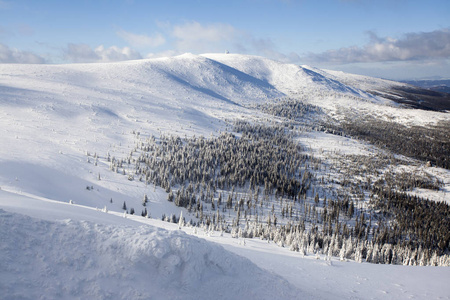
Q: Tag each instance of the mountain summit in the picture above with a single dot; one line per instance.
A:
(313, 176)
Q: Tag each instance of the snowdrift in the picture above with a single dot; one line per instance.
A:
(82, 260)
(52, 116)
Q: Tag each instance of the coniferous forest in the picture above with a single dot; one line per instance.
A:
(257, 180)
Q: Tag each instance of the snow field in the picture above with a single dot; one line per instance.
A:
(51, 116)
(71, 259)
(75, 252)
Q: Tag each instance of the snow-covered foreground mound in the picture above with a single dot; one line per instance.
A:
(77, 252)
(53, 116)
(82, 260)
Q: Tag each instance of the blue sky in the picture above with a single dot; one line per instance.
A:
(397, 39)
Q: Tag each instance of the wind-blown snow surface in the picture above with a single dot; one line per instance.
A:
(52, 115)
(82, 260)
(73, 252)
(287, 78)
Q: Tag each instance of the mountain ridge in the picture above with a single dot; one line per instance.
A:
(119, 144)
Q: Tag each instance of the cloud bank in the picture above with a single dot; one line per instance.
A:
(172, 39)
(14, 56)
(195, 37)
(142, 40)
(191, 36)
(79, 53)
(412, 46)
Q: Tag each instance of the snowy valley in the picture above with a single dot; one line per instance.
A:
(220, 175)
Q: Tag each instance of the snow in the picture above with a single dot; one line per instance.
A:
(333, 149)
(71, 259)
(51, 115)
(363, 82)
(340, 94)
(73, 252)
(287, 78)
(349, 280)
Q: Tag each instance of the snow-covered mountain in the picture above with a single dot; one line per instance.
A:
(59, 123)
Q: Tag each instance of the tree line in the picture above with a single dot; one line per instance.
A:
(259, 182)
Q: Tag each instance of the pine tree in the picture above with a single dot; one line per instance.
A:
(170, 197)
(144, 200)
(358, 253)
(181, 221)
(342, 252)
(144, 212)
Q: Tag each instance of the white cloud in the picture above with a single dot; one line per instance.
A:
(166, 53)
(80, 53)
(218, 37)
(116, 54)
(267, 48)
(84, 53)
(195, 37)
(142, 40)
(412, 46)
(11, 55)
(190, 36)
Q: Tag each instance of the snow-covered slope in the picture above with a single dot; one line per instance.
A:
(72, 259)
(399, 92)
(59, 250)
(288, 78)
(52, 115)
(55, 120)
(341, 94)
(362, 82)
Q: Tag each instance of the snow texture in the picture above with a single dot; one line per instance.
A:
(54, 120)
(82, 260)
